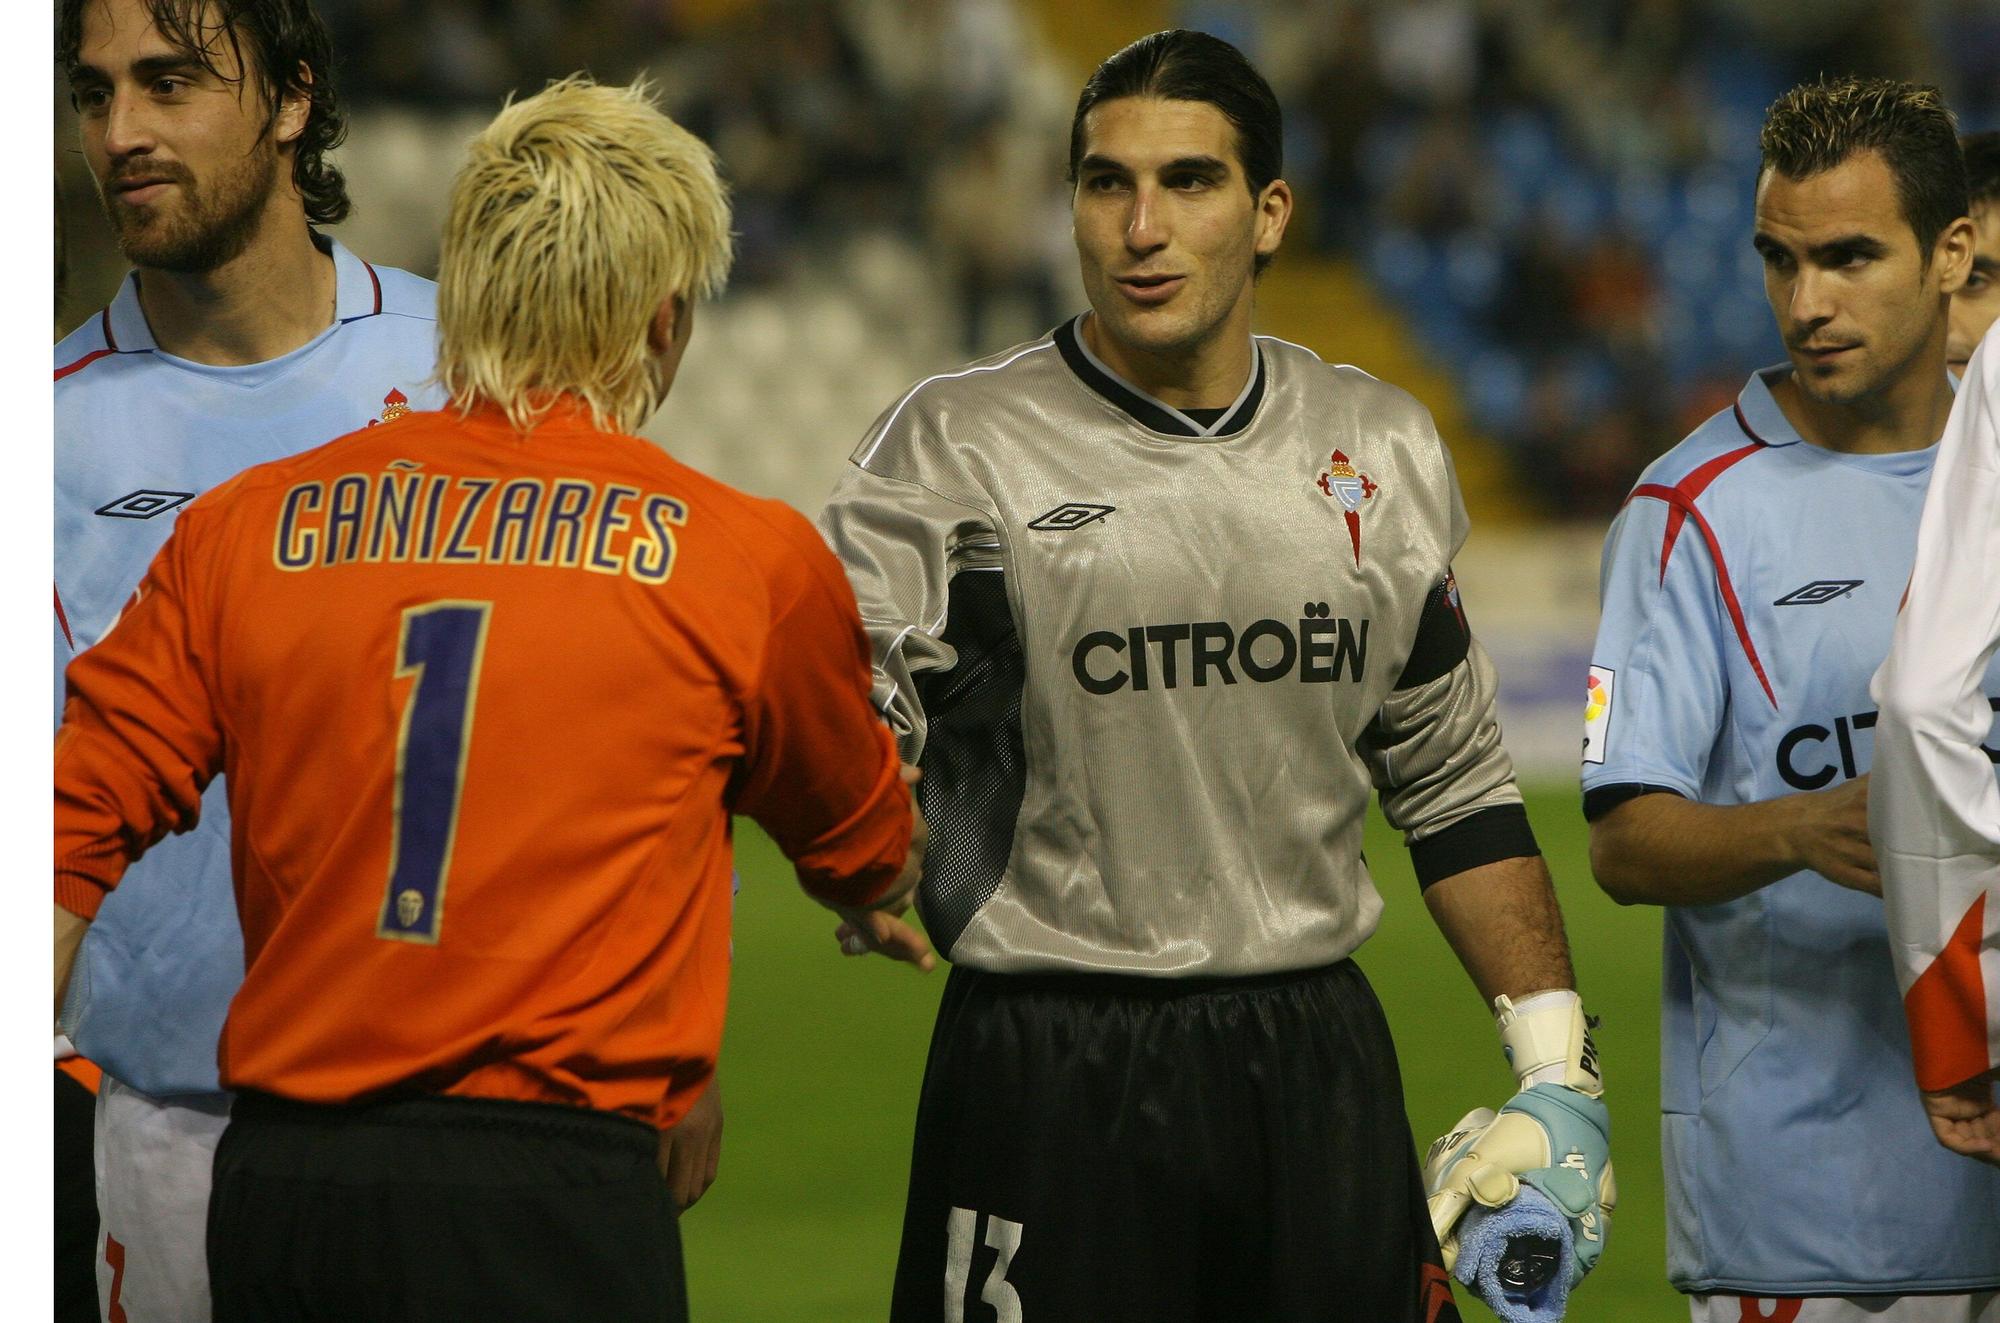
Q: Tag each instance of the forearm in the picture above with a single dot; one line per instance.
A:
(70, 929)
(1502, 921)
(1661, 849)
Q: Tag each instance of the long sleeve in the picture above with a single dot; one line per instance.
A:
(813, 734)
(1934, 803)
(140, 737)
(1435, 756)
(902, 544)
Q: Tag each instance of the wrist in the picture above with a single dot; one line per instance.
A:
(1546, 1039)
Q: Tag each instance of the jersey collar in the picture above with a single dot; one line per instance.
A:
(1758, 414)
(357, 294)
(1757, 411)
(1146, 410)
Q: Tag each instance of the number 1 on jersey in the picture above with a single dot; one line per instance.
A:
(440, 647)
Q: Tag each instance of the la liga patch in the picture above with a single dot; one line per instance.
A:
(1597, 712)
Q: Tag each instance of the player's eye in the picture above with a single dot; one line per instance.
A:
(1976, 282)
(90, 98)
(169, 86)
(1105, 183)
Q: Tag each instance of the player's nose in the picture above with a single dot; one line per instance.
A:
(1145, 226)
(128, 126)
(1811, 302)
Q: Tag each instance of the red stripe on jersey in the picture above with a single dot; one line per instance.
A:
(104, 324)
(1692, 486)
(1683, 504)
(1946, 1008)
(378, 286)
(62, 619)
(83, 362)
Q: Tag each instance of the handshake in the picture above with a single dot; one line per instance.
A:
(1521, 1199)
(881, 927)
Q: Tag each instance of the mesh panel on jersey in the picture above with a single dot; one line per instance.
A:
(975, 770)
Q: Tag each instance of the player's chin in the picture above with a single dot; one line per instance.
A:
(1837, 382)
(1159, 330)
(153, 241)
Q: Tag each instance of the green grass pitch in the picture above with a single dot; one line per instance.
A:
(823, 1056)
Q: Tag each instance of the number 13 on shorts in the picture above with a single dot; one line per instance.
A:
(440, 647)
(1004, 1238)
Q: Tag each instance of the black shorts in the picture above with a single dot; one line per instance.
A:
(76, 1202)
(1097, 1149)
(440, 1210)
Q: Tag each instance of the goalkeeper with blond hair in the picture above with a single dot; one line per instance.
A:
(488, 684)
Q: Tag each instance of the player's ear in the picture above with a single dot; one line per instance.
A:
(1951, 255)
(672, 323)
(1274, 211)
(294, 108)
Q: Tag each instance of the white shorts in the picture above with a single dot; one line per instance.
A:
(1984, 1307)
(155, 1161)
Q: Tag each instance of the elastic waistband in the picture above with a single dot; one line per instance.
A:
(1150, 986)
(449, 1112)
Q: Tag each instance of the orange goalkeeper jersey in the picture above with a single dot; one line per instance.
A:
(484, 704)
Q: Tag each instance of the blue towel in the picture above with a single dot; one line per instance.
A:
(1482, 1242)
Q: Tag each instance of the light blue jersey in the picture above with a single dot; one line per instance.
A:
(139, 434)
(1750, 586)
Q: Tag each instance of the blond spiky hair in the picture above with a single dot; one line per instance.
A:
(577, 212)
(1817, 126)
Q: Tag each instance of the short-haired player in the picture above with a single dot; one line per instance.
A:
(1750, 585)
(1976, 304)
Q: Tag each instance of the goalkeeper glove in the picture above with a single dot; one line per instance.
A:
(1554, 1135)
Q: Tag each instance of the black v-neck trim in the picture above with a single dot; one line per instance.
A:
(1149, 412)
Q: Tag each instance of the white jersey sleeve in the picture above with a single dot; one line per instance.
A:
(1934, 803)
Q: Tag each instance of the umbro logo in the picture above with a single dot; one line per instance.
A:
(1819, 590)
(1070, 514)
(144, 504)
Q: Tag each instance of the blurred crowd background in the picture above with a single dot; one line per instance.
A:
(1534, 213)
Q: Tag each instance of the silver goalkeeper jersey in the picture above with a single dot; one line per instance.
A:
(1151, 665)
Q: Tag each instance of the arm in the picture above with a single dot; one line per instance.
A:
(691, 1152)
(1503, 923)
(139, 742)
(1661, 849)
(1435, 755)
(1434, 752)
(903, 546)
(819, 770)
(70, 929)
(1936, 818)
(1659, 697)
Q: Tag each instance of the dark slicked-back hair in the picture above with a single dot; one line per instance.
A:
(1982, 168)
(1817, 126)
(282, 45)
(1180, 65)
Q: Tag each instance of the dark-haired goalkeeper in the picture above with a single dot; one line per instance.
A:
(1155, 604)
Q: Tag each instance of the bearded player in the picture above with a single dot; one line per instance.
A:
(242, 334)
